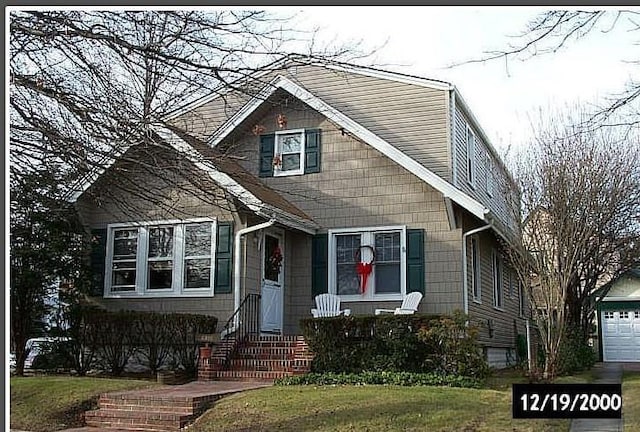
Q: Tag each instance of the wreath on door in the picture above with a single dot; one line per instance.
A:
(275, 260)
(364, 269)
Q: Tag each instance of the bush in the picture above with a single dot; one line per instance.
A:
(109, 339)
(395, 343)
(453, 347)
(360, 343)
(53, 357)
(381, 378)
(575, 354)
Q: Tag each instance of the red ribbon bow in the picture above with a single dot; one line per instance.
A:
(364, 270)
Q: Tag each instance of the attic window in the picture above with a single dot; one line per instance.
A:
(289, 153)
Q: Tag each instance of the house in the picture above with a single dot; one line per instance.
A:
(618, 315)
(281, 190)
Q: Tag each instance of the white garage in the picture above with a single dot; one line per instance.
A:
(619, 320)
(621, 335)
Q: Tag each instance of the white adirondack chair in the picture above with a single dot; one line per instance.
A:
(409, 305)
(328, 305)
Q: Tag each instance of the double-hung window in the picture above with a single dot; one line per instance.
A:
(489, 175)
(475, 270)
(471, 157)
(352, 248)
(497, 279)
(289, 153)
(521, 299)
(169, 258)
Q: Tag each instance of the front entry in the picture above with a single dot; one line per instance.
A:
(272, 281)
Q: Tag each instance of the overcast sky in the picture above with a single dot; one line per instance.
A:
(504, 97)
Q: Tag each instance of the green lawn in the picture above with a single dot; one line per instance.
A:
(369, 408)
(631, 401)
(47, 403)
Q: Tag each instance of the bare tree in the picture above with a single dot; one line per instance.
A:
(580, 223)
(550, 32)
(85, 85)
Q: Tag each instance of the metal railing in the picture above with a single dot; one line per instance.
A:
(244, 322)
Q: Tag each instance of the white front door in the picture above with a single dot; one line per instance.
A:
(272, 281)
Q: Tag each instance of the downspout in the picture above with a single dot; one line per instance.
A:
(237, 260)
(465, 294)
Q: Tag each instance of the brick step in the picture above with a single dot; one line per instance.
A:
(274, 338)
(232, 375)
(265, 353)
(132, 407)
(145, 420)
(146, 401)
(261, 365)
(104, 425)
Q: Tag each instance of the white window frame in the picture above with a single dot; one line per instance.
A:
(521, 299)
(498, 285)
(471, 157)
(369, 294)
(476, 274)
(177, 284)
(489, 177)
(277, 172)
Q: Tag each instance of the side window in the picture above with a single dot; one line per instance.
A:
(471, 157)
(475, 270)
(497, 279)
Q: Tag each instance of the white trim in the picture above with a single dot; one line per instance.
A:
(620, 299)
(391, 76)
(497, 282)
(277, 172)
(142, 260)
(369, 294)
(224, 89)
(233, 187)
(279, 234)
(438, 183)
(465, 282)
(482, 133)
(471, 168)
(451, 215)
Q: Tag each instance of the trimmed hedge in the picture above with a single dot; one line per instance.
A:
(444, 345)
(381, 378)
(367, 343)
(109, 339)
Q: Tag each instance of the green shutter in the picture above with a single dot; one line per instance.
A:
(266, 155)
(224, 253)
(415, 260)
(97, 258)
(319, 261)
(312, 151)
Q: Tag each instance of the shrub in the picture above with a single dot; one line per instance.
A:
(111, 338)
(575, 354)
(359, 343)
(395, 343)
(453, 347)
(381, 378)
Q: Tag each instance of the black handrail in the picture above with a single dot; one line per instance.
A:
(245, 321)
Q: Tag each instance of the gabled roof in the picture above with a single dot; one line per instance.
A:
(234, 179)
(227, 174)
(357, 130)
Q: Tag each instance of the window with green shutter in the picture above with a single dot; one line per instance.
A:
(319, 261)
(97, 258)
(396, 254)
(224, 253)
(290, 152)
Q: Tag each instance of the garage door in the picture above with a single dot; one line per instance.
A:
(621, 335)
